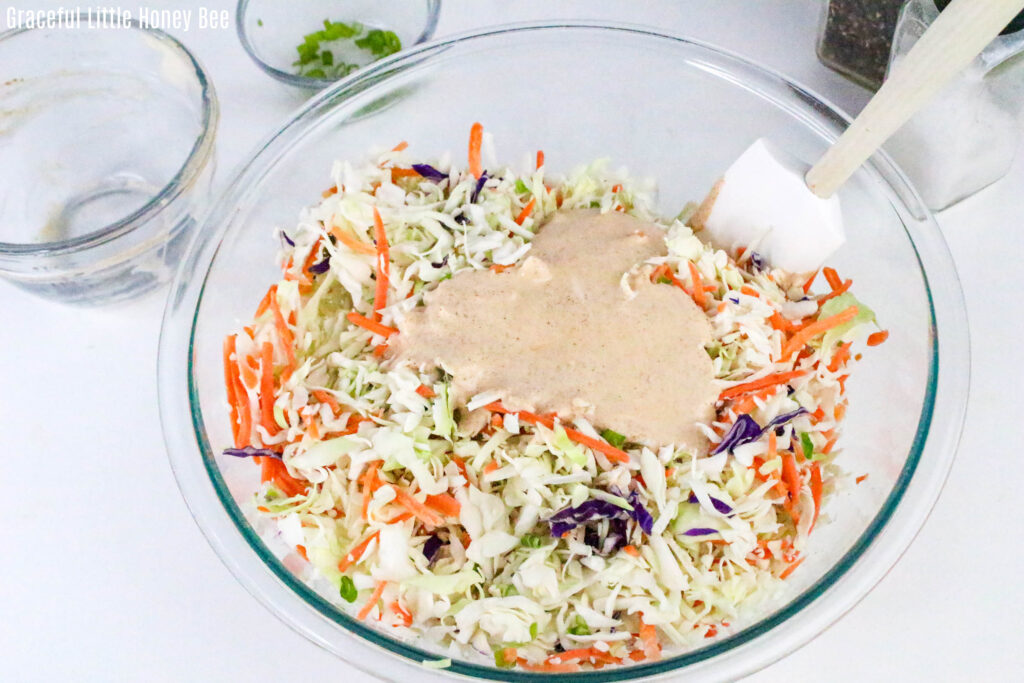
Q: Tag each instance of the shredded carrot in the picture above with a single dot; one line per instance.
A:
(839, 411)
(527, 210)
(540, 158)
(498, 268)
(267, 389)
(276, 471)
(810, 281)
(763, 383)
(586, 653)
(878, 338)
(229, 385)
(444, 503)
(800, 339)
(397, 173)
(476, 138)
(631, 550)
(400, 147)
(549, 667)
(404, 499)
(425, 391)
(368, 607)
(830, 444)
(749, 291)
(380, 350)
(773, 448)
(369, 483)
(371, 325)
(649, 637)
(400, 517)
(832, 277)
(790, 569)
(307, 277)
(699, 297)
(380, 297)
(663, 271)
(780, 323)
(265, 302)
(461, 464)
(325, 397)
(490, 467)
(816, 488)
(354, 555)
(790, 476)
(403, 615)
(329, 191)
(351, 242)
(861, 478)
(841, 289)
(301, 550)
(283, 333)
(249, 377)
(840, 357)
(611, 452)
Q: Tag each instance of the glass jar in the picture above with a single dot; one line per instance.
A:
(856, 37)
(967, 136)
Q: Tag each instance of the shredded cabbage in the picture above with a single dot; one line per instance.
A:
(450, 514)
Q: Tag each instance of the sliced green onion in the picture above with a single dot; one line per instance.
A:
(348, 589)
(808, 446)
(613, 437)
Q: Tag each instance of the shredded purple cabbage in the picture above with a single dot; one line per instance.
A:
(757, 261)
(479, 186)
(780, 420)
(614, 539)
(593, 510)
(429, 172)
(287, 239)
(251, 452)
(746, 430)
(322, 267)
(431, 547)
(640, 515)
(700, 531)
(568, 519)
(719, 505)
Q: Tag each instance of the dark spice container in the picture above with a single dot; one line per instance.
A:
(856, 37)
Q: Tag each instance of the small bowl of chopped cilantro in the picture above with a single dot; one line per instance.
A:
(313, 43)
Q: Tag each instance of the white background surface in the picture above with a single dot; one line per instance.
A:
(105, 577)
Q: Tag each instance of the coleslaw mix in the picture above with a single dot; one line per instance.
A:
(545, 544)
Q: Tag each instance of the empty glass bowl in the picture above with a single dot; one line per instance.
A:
(106, 150)
(271, 30)
(668, 108)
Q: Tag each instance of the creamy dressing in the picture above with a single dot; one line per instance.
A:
(560, 333)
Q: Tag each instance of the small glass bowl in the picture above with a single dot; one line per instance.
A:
(107, 155)
(270, 30)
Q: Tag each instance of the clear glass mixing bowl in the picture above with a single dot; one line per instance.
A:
(666, 107)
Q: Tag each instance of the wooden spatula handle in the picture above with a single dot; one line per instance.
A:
(959, 35)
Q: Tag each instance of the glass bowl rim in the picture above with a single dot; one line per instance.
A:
(307, 82)
(953, 400)
(198, 157)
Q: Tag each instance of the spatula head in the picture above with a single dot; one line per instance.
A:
(763, 204)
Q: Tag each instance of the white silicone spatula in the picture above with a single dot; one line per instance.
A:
(770, 202)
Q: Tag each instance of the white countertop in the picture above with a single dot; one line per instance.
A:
(105, 577)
